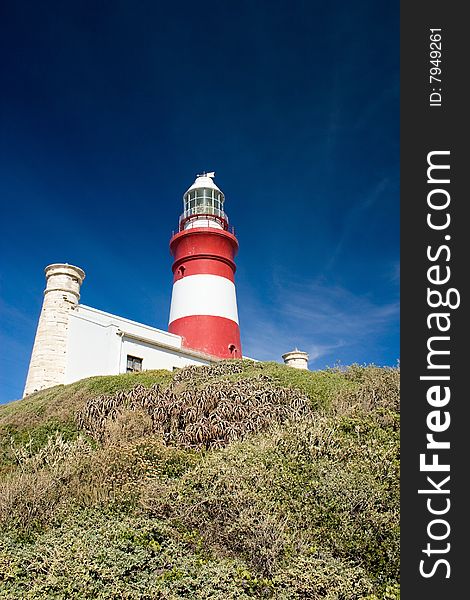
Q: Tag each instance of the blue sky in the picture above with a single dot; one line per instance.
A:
(109, 109)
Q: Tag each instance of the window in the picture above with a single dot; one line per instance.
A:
(204, 201)
(134, 364)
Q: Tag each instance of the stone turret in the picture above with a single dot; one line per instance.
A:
(296, 358)
(49, 355)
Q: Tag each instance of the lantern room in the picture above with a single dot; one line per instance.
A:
(203, 205)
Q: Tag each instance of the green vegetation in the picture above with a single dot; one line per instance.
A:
(240, 480)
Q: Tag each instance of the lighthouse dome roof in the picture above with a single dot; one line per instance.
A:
(205, 180)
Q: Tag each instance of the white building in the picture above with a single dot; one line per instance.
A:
(74, 341)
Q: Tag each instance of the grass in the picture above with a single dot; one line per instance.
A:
(306, 508)
(32, 420)
(62, 401)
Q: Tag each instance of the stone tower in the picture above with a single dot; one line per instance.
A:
(296, 358)
(49, 355)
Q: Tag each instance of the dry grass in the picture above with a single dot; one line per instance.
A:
(39, 490)
(61, 402)
(376, 391)
(196, 415)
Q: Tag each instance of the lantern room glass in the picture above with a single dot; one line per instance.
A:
(204, 201)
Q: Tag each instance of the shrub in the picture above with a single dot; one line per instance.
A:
(310, 485)
(95, 554)
(295, 497)
(38, 491)
(208, 415)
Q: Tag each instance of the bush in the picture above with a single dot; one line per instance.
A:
(194, 414)
(40, 488)
(110, 555)
(304, 504)
(313, 484)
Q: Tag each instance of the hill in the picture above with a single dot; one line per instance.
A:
(235, 481)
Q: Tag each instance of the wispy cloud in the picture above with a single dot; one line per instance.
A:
(374, 107)
(318, 350)
(16, 328)
(10, 314)
(316, 317)
(394, 272)
(370, 198)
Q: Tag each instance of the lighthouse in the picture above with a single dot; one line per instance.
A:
(74, 341)
(203, 302)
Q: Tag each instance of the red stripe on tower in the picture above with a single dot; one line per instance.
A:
(203, 303)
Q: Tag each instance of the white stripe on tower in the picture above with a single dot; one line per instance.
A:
(204, 294)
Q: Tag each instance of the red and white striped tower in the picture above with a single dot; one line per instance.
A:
(204, 303)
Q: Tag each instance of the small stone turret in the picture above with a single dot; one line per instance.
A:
(296, 358)
(49, 355)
